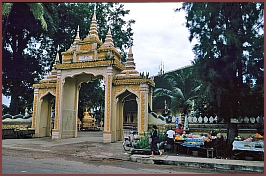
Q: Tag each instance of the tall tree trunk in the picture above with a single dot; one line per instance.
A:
(232, 132)
(14, 103)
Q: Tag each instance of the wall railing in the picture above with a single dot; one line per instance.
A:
(215, 119)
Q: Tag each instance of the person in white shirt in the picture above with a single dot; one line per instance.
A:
(170, 134)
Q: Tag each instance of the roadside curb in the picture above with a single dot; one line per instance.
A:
(188, 162)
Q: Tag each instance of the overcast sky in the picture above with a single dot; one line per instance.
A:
(160, 36)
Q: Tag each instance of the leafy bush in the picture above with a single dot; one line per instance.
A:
(143, 142)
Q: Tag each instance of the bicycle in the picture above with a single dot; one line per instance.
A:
(129, 142)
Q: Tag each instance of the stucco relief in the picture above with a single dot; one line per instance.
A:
(132, 88)
(44, 92)
(85, 47)
(34, 110)
(142, 112)
(96, 74)
(57, 104)
(98, 63)
(108, 102)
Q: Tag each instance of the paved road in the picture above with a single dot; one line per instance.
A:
(18, 165)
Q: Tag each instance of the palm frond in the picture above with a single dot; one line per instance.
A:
(197, 88)
(6, 8)
(178, 93)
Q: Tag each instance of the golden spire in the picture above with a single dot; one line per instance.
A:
(77, 35)
(57, 56)
(108, 40)
(130, 60)
(93, 28)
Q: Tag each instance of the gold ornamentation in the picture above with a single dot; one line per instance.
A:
(86, 47)
(108, 48)
(133, 81)
(45, 91)
(142, 112)
(91, 39)
(94, 63)
(67, 59)
(34, 111)
(57, 104)
(108, 101)
(107, 132)
(121, 88)
(45, 85)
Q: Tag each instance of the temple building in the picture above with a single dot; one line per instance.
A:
(85, 61)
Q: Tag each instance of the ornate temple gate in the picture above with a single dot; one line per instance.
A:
(87, 60)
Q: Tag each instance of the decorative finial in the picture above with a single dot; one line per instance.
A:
(130, 64)
(94, 7)
(108, 40)
(77, 36)
(130, 50)
(93, 27)
(57, 56)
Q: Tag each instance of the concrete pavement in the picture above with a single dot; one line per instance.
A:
(90, 145)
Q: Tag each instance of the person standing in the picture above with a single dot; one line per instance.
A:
(170, 134)
(176, 121)
(154, 140)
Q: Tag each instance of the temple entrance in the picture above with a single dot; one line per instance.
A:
(130, 120)
(45, 122)
(122, 108)
(91, 105)
(70, 103)
(85, 61)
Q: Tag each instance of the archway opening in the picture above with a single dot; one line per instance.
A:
(130, 113)
(91, 105)
(47, 115)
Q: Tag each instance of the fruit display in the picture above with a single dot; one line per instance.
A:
(179, 137)
(238, 138)
(257, 135)
(193, 142)
(250, 139)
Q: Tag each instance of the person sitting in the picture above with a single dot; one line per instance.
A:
(219, 145)
(179, 130)
(210, 139)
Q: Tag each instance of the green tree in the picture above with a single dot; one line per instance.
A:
(18, 67)
(229, 51)
(182, 91)
(29, 45)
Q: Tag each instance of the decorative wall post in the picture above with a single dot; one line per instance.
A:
(56, 131)
(34, 115)
(107, 134)
(143, 109)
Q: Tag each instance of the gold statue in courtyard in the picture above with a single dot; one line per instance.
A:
(88, 122)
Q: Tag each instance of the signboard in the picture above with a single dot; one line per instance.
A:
(85, 58)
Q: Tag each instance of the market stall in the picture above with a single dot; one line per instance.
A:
(253, 147)
(207, 144)
(187, 141)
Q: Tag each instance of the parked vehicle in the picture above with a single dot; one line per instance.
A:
(130, 141)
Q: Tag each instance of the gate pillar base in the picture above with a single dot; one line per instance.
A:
(55, 134)
(107, 137)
